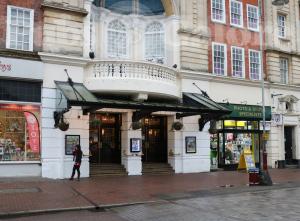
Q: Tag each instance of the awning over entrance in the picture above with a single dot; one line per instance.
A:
(76, 94)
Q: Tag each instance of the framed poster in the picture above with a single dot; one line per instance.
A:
(135, 145)
(190, 145)
(70, 142)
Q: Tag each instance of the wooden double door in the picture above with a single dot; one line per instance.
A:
(105, 138)
(154, 133)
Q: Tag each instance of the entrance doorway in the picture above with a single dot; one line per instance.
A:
(289, 145)
(154, 140)
(105, 138)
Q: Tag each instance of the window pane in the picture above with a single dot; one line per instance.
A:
(14, 12)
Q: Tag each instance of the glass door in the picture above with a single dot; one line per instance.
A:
(154, 140)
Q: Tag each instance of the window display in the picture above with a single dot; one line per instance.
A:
(19, 133)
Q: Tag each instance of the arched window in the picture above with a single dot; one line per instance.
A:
(155, 42)
(116, 39)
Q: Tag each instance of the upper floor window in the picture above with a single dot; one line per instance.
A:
(218, 10)
(219, 59)
(254, 65)
(281, 22)
(155, 42)
(253, 17)
(116, 39)
(284, 70)
(236, 13)
(237, 57)
(19, 33)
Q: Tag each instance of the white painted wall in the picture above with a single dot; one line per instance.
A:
(54, 162)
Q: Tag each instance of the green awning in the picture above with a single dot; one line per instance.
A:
(77, 94)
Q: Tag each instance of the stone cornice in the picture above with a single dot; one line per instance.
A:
(64, 7)
(191, 32)
(278, 50)
(205, 76)
(63, 59)
(30, 55)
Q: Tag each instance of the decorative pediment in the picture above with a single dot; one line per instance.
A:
(289, 99)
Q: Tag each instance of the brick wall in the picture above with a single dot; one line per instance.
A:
(38, 20)
(233, 36)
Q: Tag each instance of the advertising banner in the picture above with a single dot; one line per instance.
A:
(33, 132)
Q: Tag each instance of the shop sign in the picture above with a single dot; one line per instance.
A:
(33, 132)
(20, 68)
(5, 67)
(247, 112)
(277, 119)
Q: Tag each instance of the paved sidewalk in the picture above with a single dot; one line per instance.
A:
(37, 194)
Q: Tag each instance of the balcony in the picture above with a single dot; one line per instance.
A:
(131, 78)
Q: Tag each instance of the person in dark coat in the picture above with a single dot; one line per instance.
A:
(77, 156)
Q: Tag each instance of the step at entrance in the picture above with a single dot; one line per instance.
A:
(105, 169)
(157, 169)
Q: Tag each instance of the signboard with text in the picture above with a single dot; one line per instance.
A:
(250, 112)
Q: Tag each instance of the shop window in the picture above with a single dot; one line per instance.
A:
(229, 124)
(241, 125)
(12, 90)
(19, 133)
(19, 28)
(235, 143)
(253, 125)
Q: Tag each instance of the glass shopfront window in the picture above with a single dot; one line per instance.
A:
(19, 132)
(231, 138)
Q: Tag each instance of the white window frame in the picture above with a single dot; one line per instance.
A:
(8, 28)
(225, 58)
(258, 18)
(243, 60)
(284, 79)
(260, 63)
(126, 41)
(223, 21)
(279, 26)
(241, 25)
(163, 57)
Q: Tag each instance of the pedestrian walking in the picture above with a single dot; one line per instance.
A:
(77, 156)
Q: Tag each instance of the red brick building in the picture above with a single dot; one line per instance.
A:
(24, 20)
(234, 44)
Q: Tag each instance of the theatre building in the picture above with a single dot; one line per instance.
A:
(119, 92)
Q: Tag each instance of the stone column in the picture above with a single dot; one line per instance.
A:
(131, 161)
(174, 146)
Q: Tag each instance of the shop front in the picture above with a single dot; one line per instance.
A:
(240, 130)
(19, 140)
(20, 110)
